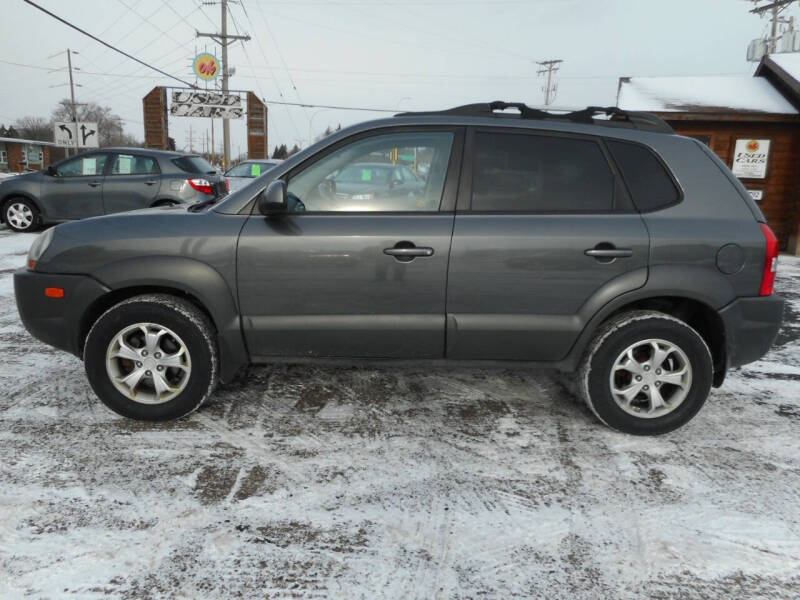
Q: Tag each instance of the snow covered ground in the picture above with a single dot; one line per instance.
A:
(304, 482)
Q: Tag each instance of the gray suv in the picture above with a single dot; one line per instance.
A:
(106, 181)
(597, 242)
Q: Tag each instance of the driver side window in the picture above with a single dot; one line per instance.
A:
(367, 175)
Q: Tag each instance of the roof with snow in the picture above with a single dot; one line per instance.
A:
(783, 70)
(709, 94)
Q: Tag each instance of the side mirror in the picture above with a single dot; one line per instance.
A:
(51, 170)
(272, 201)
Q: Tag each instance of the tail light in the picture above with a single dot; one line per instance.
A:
(227, 185)
(770, 262)
(201, 185)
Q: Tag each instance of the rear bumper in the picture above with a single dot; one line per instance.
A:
(55, 321)
(751, 325)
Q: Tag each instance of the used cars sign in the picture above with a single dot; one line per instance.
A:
(206, 104)
(750, 159)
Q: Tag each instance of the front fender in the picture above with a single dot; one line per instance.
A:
(196, 279)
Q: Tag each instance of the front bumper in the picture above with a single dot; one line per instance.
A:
(751, 325)
(56, 321)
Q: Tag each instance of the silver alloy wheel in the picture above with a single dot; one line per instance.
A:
(651, 378)
(19, 215)
(148, 363)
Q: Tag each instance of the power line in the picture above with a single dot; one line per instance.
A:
(272, 73)
(114, 48)
(306, 105)
(280, 55)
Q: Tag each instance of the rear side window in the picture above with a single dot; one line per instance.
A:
(132, 164)
(193, 164)
(648, 181)
(537, 173)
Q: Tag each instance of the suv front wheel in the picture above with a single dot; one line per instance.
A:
(646, 373)
(152, 357)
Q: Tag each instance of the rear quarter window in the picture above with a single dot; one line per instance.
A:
(193, 164)
(649, 183)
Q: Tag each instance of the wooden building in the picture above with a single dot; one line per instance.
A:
(752, 123)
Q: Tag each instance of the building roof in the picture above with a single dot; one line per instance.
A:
(32, 142)
(783, 70)
(710, 94)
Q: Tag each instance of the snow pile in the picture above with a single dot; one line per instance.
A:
(702, 94)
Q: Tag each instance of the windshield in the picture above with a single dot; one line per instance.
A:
(194, 164)
(250, 169)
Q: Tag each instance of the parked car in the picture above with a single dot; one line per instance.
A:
(106, 181)
(247, 170)
(612, 248)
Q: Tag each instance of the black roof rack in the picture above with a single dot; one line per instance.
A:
(616, 116)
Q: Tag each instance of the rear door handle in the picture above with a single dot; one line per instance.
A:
(408, 252)
(95, 183)
(609, 252)
(151, 182)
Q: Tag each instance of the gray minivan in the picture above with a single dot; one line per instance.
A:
(106, 181)
(596, 242)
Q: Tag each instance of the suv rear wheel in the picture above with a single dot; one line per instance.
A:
(646, 373)
(152, 357)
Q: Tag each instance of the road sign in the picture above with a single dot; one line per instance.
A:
(66, 134)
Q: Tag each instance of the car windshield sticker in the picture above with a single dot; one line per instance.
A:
(255, 170)
(366, 174)
(124, 164)
(90, 166)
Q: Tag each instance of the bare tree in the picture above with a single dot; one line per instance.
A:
(35, 128)
(109, 124)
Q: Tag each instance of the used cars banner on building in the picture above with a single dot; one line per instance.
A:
(206, 104)
(750, 159)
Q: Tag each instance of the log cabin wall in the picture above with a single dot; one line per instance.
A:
(781, 186)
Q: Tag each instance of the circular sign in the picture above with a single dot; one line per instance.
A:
(206, 66)
(753, 146)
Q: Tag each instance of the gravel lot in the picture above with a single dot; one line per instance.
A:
(302, 482)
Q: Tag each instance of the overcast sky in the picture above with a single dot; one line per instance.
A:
(411, 54)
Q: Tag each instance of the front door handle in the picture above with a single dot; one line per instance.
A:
(95, 183)
(408, 252)
(609, 252)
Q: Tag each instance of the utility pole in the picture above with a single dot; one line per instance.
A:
(224, 40)
(72, 98)
(774, 8)
(550, 68)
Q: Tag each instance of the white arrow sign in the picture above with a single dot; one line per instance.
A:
(66, 134)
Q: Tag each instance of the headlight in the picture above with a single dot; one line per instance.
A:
(39, 247)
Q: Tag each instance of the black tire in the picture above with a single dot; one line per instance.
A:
(158, 203)
(14, 204)
(193, 328)
(612, 340)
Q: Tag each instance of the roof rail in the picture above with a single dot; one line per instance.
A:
(616, 116)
